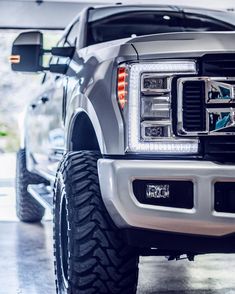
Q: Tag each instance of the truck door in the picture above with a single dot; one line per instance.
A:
(45, 134)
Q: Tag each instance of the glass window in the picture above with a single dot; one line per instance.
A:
(198, 23)
(72, 36)
(125, 24)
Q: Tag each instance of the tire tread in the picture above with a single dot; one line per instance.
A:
(101, 262)
(27, 208)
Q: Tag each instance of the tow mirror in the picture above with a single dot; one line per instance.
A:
(27, 54)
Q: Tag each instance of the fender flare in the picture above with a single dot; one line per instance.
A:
(80, 104)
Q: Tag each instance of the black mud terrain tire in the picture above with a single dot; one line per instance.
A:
(27, 208)
(90, 254)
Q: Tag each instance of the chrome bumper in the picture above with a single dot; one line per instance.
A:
(116, 177)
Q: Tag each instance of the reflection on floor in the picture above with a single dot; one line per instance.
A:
(26, 260)
(7, 191)
(26, 263)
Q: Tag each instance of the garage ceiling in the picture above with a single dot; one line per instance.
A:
(56, 14)
(47, 14)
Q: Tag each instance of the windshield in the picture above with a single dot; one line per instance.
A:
(133, 23)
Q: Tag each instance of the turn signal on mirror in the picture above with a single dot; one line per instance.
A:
(14, 59)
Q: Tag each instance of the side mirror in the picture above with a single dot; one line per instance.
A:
(27, 52)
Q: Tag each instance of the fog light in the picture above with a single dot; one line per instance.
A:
(158, 191)
(225, 197)
(164, 193)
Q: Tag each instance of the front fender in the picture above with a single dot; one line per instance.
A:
(107, 124)
(79, 104)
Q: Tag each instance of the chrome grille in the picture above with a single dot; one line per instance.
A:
(206, 106)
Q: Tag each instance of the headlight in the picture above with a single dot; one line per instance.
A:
(149, 108)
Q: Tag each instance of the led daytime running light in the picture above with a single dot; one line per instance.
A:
(163, 145)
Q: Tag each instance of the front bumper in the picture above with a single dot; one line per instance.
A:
(116, 177)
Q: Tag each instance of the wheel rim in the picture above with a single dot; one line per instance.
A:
(64, 241)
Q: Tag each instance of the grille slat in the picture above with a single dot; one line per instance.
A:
(222, 65)
(194, 106)
(220, 146)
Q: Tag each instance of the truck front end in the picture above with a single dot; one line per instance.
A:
(174, 188)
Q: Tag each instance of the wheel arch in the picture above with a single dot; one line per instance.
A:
(84, 134)
(104, 119)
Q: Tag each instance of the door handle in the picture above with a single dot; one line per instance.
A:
(44, 99)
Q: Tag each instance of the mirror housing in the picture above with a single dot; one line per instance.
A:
(27, 52)
(63, 51)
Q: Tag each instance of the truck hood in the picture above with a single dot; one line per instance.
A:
(183, 44)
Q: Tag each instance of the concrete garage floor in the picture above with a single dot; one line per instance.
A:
(26, 261)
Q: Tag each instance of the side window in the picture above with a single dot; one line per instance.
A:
(72, 35)
(51, 39)
(68, 39)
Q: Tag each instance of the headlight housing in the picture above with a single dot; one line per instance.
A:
(149, 108)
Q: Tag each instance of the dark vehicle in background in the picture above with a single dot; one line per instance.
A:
(131, 141)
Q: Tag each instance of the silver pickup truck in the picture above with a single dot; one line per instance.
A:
(130, 141)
